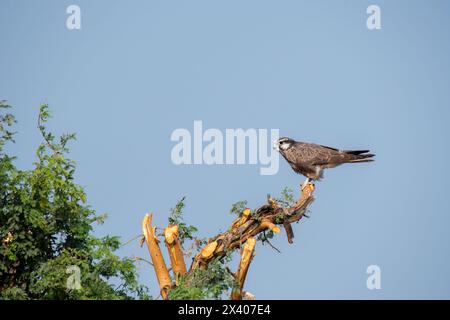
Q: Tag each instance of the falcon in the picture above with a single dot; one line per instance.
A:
(311, 159)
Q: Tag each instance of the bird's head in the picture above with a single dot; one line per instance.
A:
(283, 144)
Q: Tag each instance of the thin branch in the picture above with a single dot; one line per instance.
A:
(142, 259)
(131, 240)
(270, 243)
(41, 128)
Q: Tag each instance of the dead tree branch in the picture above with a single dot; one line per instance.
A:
(268, 216)
(162, 273)
(241, 234)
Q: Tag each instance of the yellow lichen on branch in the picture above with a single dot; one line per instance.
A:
(175, 252)
(162, 273)
(246, 258)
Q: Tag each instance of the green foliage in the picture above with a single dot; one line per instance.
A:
(286, 199)
(186, 292)
(265, 236)
(46, 229)
(214, 282)
(238, 207)
(176, 217)
(6, 121)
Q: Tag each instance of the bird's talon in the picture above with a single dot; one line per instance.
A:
(310, 185)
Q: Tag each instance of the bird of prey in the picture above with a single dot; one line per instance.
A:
(311, 159)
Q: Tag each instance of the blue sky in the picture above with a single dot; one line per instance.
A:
(138, 70)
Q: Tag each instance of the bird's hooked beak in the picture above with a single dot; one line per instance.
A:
(276, 145)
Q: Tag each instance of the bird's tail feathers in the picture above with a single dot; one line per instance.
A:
(356, 152)
(360, 156)
(361, 160)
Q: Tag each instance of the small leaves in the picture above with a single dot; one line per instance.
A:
(213, 283)
(238, 207)
(46, 227)
(6, 120)
(286, 198)
(176, 218)
(266, 235)
(49, 138)
(176, 213)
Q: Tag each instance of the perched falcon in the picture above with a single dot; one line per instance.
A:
(311, 159)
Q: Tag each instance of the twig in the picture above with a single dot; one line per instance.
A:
(270, 243)
(142, 259)
(41, 128)
(131, 240)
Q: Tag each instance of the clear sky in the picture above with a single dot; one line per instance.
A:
(138, 70)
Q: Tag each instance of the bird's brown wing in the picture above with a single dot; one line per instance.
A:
(314, 154)
(330, 148)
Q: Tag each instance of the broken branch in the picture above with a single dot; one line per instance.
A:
(267, 216)
(175, 252)
(241, 274)
(162, 274)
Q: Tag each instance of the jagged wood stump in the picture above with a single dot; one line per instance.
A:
(241, 234)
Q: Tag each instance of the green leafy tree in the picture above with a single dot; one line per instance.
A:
(47, 249)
